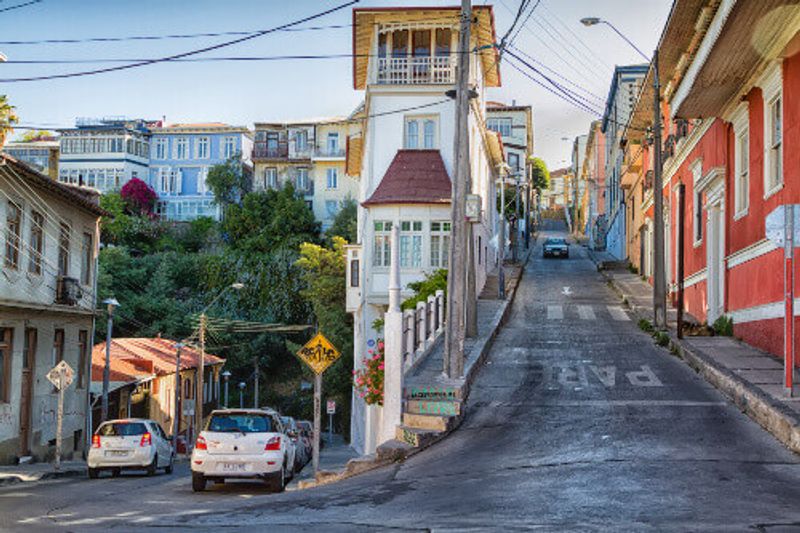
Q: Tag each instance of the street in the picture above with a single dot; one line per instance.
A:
(577, 422)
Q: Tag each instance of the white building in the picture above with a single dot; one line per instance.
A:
(104, 153)
(47, 302)
(405, 62)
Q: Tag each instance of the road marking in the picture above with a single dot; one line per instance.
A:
(617, 403)
(617, 313)
(555, 312)
(586, 312)
(566, 291)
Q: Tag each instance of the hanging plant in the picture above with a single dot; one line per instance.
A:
(368, 379)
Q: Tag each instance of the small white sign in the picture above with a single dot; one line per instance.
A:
(61, 375)
(776, 224)
(331, 407)
(187, 406)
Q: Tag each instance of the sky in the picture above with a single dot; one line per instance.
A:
(245, 92)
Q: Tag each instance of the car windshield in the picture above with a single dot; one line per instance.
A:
(556, 241)
(240, 423)
(121, 429)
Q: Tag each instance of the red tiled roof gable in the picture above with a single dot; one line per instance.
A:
(413, 177)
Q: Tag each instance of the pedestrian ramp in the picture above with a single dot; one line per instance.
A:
(573, 312)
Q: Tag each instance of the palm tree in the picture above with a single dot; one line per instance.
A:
(7, 119)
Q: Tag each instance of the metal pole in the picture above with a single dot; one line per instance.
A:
(199, 399)
(659, 274)
(330, 428)
(176, 422)
(501, 276)
(679, 251)
(516, 219)
(107, 367)
(528, 207)
(456, 279)
(241, 395)
(227, 378)
(788, 317)
(255, 382)
(60, 420)
(317, 421)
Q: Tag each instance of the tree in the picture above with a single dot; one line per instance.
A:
(139, 197)
(8, 118)
(268, 220)
(540, 176)
(345, 224)
(124, 228)
(35, 135)
(228, 182)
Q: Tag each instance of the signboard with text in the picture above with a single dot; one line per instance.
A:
(61, 375)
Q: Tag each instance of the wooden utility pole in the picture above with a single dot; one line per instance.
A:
(317, 421)
(176, 422)
(659, 274)
(198, 413)
(456, 279)
(679, 252)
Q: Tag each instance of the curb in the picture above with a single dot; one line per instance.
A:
(12, 479)
(777, 419)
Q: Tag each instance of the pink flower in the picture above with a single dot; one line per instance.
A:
(380, 366)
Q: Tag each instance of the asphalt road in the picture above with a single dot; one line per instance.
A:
(577, 422)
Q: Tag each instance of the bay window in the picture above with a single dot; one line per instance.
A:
(382, 243)
(440, 243)
(411, 244)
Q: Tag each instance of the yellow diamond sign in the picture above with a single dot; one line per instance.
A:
(319, 353)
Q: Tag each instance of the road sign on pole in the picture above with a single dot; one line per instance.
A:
(61, 377)
(331, 411)
(318, 354)
(783, 228)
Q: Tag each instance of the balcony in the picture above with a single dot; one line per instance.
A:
(416, 70)
(264, 150)
(325, 152)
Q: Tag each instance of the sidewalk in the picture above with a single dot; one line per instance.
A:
(750, 378)
(332, 459)
(28, 473)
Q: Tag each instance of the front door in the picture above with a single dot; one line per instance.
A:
(715, 257)
(26, 396)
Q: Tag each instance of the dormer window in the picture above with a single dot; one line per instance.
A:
(422, 133)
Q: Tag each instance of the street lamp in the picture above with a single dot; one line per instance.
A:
(111, 304)
(242, 385)
(227, 376)
(659, 275)
(201, 369)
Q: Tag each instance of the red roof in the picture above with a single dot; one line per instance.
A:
(142, 356)
(414, 177)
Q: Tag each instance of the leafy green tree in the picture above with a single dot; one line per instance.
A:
(199, 235)
(540, 176)
(433, 282)
(270, 219)
(228, 181)
(8, 117)
(345, 224)
(33, 135)
(123, 228)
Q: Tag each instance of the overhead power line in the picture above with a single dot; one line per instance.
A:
(185, 60)
(24, 4)
(183, 54)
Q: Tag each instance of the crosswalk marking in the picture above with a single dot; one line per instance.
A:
(617, 313)
(555, 312)
(586, 312)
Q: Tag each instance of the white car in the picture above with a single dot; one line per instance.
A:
(240, 444)
(129, 444)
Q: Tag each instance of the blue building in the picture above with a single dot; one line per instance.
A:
(180, 158)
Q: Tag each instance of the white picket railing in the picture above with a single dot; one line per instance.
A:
(415, 70)
(421, 326)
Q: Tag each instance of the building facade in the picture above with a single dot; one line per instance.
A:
(104, 153)
(404, 58)
(41, 154)
(180, 158)
(47, 302)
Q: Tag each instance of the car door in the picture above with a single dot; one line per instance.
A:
(160, 443)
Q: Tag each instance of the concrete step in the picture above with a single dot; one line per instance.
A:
(418, 438)
(432, 393)
(429, 422)
(426, 407)
(393, 450)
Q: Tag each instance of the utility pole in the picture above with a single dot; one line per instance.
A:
(198, 413)
(176, 421)
(255, 382)
(501, 275)
(528, 205)
(659, 275)
(111, 304)
(456, 279)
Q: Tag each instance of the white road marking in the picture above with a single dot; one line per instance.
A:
(586, 312)
(620, 403)
(617, 313)
(567, 291)
(555, 312)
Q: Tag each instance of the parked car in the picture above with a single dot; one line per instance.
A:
(294, 433)
(241, 444)
(307, 431)
(129, 444)
(555, 246)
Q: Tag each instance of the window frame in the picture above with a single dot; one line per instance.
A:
(382, 243)
(7, 353)
(13, 236)
(440, 235)
(204, 144)
(36, 244)
(334, 183)
(64, 243)
(412, 239)
(83, 350)
(87, 258)
(697, 204)
(772, 93)
(420, 135)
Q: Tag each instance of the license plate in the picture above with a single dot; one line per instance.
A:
(117, 453)
(233, 467)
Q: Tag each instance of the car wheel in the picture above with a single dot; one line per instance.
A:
(93, 473)
(151, 468)
(115, 472)
(168, 469)
(198, 482)
(278, 481)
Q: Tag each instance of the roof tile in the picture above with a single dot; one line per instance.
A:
(413, 177)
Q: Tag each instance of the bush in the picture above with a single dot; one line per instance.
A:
(661, 338)
(437, 281)
(645, 325)
(723, 326)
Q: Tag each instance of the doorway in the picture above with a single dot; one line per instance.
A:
(26, 393)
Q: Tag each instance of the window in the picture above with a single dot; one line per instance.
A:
(170, 180)
(83, 354)
(63, 250)
(382, 244)
(58, 347)
(271, 178)
(354, 272)
(301, 180)
(333, 144)
(500, 125)
(13, 227)
(331, 208)
(410, 244)
(6, 349)
(440, 244)
(229, 147)
(202, 176)
(775, 138)
(87, 254)
(427, 127)
(333, 178)
(181, 148)
(301, 140)
(443, 39)
(161, 148)
(36, 243)
(742, 165)
(697, 204)
(203, 144)
(513, 161)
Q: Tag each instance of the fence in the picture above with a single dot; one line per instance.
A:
(421, 327)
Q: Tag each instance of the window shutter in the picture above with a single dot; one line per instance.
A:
(178, 182)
